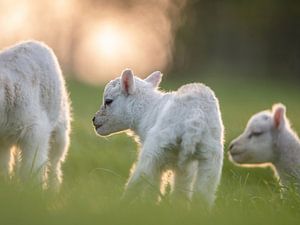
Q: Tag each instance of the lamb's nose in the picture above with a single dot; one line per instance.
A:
(94, 119)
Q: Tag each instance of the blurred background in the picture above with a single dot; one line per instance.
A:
(95, 39)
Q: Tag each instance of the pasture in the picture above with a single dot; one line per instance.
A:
(96, 168)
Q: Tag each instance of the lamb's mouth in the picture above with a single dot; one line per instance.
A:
(97, 126)
(236, 153)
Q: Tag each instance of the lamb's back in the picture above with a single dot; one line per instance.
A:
(196, 96)
(30, 77)
(193, 105)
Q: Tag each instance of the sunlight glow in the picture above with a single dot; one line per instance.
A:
(111, 46)
(14, 18)
(111, 41)
(94, 46)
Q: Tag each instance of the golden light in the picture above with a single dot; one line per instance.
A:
(110, 41)
(15, 15)
(107, 48)
(110, 46)
(94, 46)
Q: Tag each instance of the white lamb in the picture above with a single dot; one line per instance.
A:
(34, 113)
(180, 131)
(268, 138)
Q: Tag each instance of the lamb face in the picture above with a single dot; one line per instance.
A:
(112, 115)
(115, 114)
(255, 144)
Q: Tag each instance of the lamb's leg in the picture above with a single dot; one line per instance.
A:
(186, 169)
(58, 149)
(209, 173)
(145, 178)
(5, 156)
(34, 152)
(184, 175)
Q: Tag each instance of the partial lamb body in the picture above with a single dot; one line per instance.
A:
(268, 138)
(34, 113)
(181, 131)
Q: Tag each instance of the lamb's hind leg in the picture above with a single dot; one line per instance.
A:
(5, 158)
(210, 161)
(183, 180)
(34, 152)
(58, 149)
(145, 178)
(186, 169)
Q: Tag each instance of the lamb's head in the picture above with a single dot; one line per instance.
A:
(256, 143)
(116, 114)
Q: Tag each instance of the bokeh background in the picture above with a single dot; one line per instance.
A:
(248, 52)
(95, 39)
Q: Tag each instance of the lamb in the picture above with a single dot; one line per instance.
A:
(268, 138)
(34, 114)
(179, 131)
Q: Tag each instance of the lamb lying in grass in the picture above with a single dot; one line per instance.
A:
(268, 138)
(34, 113)
(181, 131)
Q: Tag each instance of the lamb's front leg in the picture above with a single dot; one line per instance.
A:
(145, 178)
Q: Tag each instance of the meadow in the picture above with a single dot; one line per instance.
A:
(96, 168)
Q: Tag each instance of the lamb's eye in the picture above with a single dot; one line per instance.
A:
(108, 101)
(255, 134)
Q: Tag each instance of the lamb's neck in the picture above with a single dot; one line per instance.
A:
(287, 163)
(147, 110)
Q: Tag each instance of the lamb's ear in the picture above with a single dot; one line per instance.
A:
(154, 78)
(127, 81)
(278, 115)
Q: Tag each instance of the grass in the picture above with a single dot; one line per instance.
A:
(97, 168)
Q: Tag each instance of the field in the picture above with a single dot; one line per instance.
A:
(96, 168)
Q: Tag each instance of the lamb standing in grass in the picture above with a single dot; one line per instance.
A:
(268, 138)
(181, 131)
(34, 113)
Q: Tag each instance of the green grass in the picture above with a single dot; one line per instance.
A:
(97, 168)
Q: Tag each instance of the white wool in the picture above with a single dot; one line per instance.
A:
(34, 113)
(180, 131)
(268, 138)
